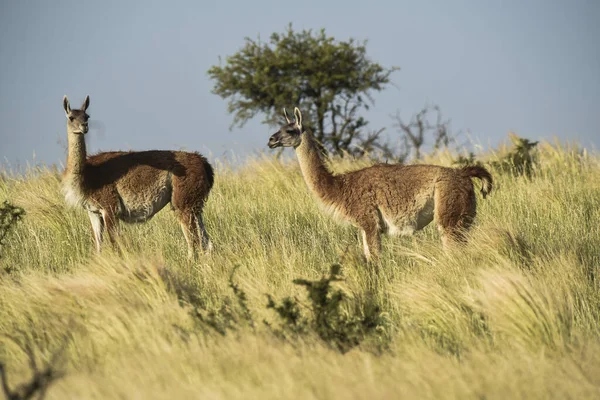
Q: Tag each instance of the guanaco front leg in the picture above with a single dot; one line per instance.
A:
(371, 238)
(97, 228)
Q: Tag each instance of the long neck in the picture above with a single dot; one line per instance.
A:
(76, 153)
(316, 174)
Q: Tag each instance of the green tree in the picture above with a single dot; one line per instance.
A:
(331, 81)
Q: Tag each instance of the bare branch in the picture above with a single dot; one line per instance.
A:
(40, 380)
(419, 127)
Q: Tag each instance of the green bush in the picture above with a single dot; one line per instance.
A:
(9, 216)
(337, 326)
(521, 160)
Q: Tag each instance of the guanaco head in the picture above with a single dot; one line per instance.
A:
(290, 135)
(77, 120)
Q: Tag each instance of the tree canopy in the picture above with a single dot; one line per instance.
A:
(330, 81)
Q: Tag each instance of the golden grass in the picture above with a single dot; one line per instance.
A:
(516, 314)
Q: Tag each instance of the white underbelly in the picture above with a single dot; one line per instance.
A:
(406, 224)
(133, 210)
(399, 226)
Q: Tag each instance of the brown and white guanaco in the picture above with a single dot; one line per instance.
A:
(133, 186)
(387, 198)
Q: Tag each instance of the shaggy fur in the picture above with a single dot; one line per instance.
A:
(133, 186)
(388, 198)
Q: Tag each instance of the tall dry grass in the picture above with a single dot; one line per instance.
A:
(516, 314)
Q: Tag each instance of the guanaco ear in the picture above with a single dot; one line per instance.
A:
(66, 105)
(286, 116)
(86, 103)
(298, 116)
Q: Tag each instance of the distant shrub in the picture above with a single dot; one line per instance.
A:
(521, 160)
(466, 161)
(9, 216)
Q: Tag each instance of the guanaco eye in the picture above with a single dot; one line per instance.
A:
(71, 119)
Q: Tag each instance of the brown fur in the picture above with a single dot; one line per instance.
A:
(133, 186)
(388, 198)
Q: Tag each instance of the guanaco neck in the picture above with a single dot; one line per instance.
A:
(316, 174)
(76, 153)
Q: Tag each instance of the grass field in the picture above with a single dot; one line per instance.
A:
(516, 314)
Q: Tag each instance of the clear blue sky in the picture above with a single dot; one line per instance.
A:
(492, 66)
